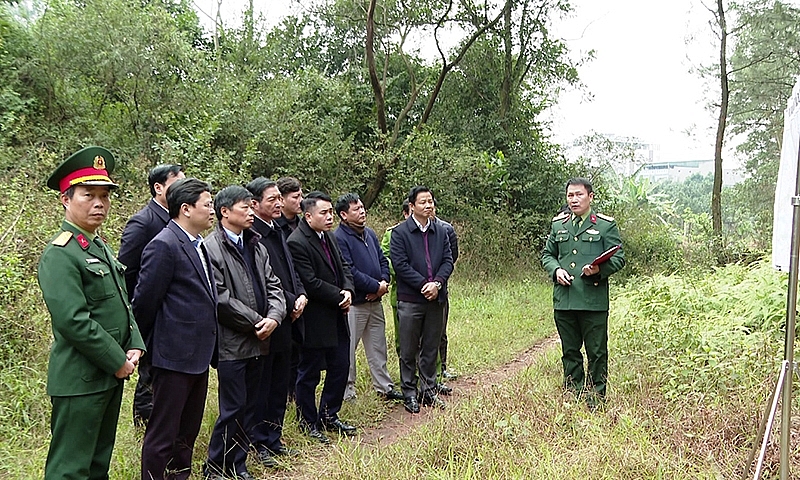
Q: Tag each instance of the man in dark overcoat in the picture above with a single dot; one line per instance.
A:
(329, 285)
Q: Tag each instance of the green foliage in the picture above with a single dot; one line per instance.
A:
(764, 66)
(16, 101)
(707, 336)
(693, 194)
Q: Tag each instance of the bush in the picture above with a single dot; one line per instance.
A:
(705, 336)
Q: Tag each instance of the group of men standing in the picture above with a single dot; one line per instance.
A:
(269, 288)
(270, 291)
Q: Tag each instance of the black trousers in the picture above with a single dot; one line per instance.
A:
(267, 426)
(178, 403)
(239, 385)
(312, 362)
(420, 334)
(143, 395)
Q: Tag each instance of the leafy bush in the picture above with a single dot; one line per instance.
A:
(703, 336)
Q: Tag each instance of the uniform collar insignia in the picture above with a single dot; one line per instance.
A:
(593, 218)
(82, 241)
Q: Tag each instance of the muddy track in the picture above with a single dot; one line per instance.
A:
(399, 422)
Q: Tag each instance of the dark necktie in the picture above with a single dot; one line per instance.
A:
(327, 251)
(198, 245)
(240, 245)
(427, 255)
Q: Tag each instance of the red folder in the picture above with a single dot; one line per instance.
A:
(603, 257)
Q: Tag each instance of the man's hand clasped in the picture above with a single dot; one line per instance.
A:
(131, 360)
(345, 303)
(265, 327)
(299, 305)
(430, 291)
(383, 289)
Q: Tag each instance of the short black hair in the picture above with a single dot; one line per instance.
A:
(406, 207)
(160, 174)
(312, 199)
(579, 181)
(258, 185)
(412, 194)
(185, 190)
(288, 185)
(344, 201)
(230, 196)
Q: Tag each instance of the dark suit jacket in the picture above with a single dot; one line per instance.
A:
(322, 285)
(175, 306)
(140, 229)
(451, 235)
(407, 250)
(283, 267)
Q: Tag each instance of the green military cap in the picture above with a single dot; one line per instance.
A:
(89, 166)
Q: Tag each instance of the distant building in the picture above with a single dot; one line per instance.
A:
(632, 156)
(679, 171)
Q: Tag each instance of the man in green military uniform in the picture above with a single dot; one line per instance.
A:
(580, 291)
(96, 341)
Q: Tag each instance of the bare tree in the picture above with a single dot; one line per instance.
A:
(722, 120)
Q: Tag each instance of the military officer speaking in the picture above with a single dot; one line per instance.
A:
(580, 292)
(96, 341)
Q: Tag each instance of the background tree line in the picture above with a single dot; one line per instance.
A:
(305, 98)
(341, 98)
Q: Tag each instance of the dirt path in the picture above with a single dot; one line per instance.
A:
(399, 422)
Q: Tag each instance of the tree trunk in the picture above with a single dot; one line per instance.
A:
(377, 89)
(716, 192)
(375, 186)
(508, 66)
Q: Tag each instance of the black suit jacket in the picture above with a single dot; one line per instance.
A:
(140, 229)
(174, 304)
(323, 285)
(280, 259)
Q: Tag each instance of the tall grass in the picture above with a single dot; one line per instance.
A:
(490, 323)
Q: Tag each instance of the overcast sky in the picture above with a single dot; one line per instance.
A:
(640, 83)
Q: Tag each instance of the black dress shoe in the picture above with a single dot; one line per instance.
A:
(392, 396)
(449, 375)
(315, 434)
(244, 476)
(443, 389)
(339, 426)
(283, 450)
(433, 401)
(210, 473)
(266, 459)
(411, 405)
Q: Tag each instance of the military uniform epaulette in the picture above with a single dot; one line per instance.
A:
(560, 216)
(605, 217)
(62, 239)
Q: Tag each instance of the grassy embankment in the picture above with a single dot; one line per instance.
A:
(691, 364)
